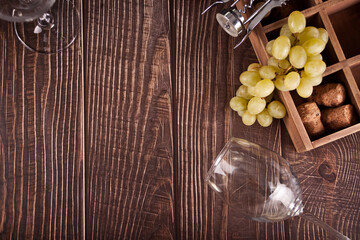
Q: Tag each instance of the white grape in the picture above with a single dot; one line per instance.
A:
(243, 92)
(315, 57)
(241, 112)
(314, 46)
(285, 31)
(314, 68)
(250, 78)
(264, 118)
(238, 103)
(281, 47)
(276, 109)
(279, 83)
(292, 81)
(284, 64)
(264, 88)
(308, 33)
(296, 22)
(304, 89)
(323, 34)
(269, 47)
(248, 119)
(313, 81)
(268, 72)
(256, 105)
(254, 67)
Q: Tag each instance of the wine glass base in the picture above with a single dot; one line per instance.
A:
(52, 33)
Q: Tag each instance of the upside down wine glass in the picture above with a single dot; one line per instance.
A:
(43, 26)
(259, 183)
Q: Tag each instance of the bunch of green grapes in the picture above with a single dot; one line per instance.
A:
(296, 55)
(253, 100)
(295, 63)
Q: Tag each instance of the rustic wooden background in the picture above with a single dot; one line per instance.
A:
(112, 138)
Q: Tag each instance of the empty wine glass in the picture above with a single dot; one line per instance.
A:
(259, 183)
(43, 26)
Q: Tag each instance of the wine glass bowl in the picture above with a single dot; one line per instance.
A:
(43, 26)
(23, 10)
(259, 184)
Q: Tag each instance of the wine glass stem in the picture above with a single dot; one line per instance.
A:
(315, 220)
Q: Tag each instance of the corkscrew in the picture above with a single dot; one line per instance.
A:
(233, 22)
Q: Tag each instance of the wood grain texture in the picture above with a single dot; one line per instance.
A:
(41, 152)
(158, 79)
(206, 71)
(202, 68)
(330, 183)
(129, 138)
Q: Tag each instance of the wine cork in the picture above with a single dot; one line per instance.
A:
(329, 95)
(311, 117)
(340, 117)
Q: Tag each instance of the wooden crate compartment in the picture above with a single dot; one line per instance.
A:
(339, 77)
(342, 56)
(345, 24)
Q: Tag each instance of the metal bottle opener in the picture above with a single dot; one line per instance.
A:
(233, 22)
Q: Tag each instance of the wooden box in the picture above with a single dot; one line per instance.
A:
(341, 18)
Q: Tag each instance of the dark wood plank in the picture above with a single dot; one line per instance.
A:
(129, 138)
(207, 70)
(202, 69)
(41, 143)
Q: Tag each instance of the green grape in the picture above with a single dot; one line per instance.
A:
(268, 72)
(308, 33)
(285, 31)
(241, 112)
(281, 47)
(284, 64)
(248, 119)
(314, 46)
(296, 22)
(279, 83)
(254, 67)
(264, 88)
(305, 88)
(317, 80)
(243, 92)
(269, 98)
(297, 56)
(314, 68)
(251, 90)
(314, 81)
(315, 57)
(238, 103)
(264, 118)
(273, 62)
(256, 105)
(249, 78)
(269, 47)
(323, 34)
(292, 80)
(276, 109)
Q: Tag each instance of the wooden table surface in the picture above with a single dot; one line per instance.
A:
(112, 138)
